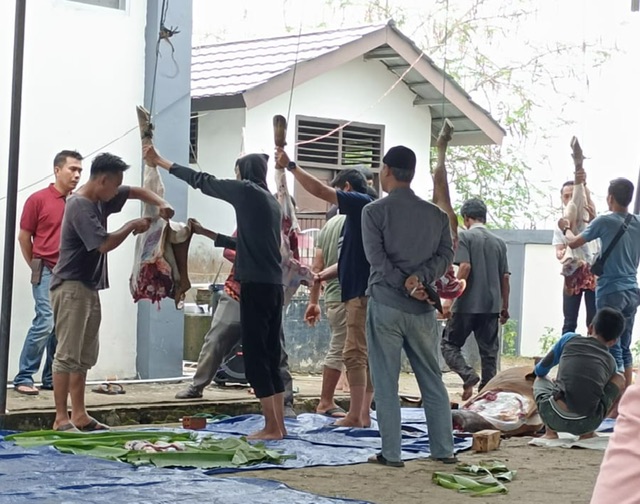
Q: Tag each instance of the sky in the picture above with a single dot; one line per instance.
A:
(602, 112)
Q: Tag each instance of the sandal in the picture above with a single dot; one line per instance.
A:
(334, 413)
(25, 389)
(68, 427)
(109, 388)
(379, 459)
(93, 425)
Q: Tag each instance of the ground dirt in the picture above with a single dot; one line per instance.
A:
(545, 476)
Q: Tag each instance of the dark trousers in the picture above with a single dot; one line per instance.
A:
(571, 309)
(261, 319)
(484, 326)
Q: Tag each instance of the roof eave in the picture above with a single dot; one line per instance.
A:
(489, 128)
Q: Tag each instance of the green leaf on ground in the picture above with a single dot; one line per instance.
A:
(199, 452)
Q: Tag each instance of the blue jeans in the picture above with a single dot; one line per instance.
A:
(626, 302)
(388, 332)
(39, 337)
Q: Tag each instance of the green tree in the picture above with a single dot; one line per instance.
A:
(468, 40)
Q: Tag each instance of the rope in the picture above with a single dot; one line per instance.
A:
(111, 142)
(163, 17)
(384, 95)
(295, 68)
(444, 63)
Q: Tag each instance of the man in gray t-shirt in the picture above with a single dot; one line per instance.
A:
(482, 261)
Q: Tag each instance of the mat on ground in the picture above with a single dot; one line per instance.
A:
(315, 442)
(44, 474)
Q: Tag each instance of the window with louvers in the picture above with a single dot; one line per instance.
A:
(355, 144)
(193, 140)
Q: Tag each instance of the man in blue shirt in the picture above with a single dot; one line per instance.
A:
(353, 273)
(617, 287)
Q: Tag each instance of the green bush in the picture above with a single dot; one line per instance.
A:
(548, 339)
(510, 338)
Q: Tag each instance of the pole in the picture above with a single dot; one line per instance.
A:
(12, 200)
(636, 205)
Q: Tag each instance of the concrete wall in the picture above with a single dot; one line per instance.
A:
(83, 77)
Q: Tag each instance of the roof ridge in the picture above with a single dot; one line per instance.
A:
(380, 24)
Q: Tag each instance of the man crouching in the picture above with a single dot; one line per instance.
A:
(587, 384)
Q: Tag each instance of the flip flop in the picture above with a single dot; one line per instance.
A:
(334, 413)
(26, 390)
(109, 388)
(68, 427)
(379, 459)
(93, 425)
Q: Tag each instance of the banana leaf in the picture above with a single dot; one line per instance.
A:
(204, 453)
(465, 484)
(499, 470)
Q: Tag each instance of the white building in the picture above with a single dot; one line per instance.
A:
(372, 78)
(84, 74)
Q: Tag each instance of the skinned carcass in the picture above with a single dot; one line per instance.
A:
(506, 404)
(294, 273)
(161, 253)
(576, 263)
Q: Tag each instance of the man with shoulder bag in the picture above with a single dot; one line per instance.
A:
(617, 266)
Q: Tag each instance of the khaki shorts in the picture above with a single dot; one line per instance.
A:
(355, 346)
(337, 317)
(77, 316)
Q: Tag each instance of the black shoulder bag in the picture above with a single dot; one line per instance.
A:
(597, 268)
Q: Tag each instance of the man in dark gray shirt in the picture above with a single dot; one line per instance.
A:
(81, 272)
(587, 384)
(482, 261)
(404, 258)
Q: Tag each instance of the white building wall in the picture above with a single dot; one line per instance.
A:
(542, 300)
(83, 77)
(351, 92)
(219, 145)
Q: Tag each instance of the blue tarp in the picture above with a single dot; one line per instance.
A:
(316, 443)
(46, 475)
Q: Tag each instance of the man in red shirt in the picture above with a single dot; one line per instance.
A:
(39, 240)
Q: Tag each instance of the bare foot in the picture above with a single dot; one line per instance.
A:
(349, 421)
(588, 436)
(467, 388)
(467, 392)
(265, 435)
(549, 435)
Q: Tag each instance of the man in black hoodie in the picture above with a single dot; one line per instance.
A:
(259, 271)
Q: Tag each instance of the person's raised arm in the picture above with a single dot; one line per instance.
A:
(573, 241)
(231, 191)
(165, 210)
(310, 183)
(115, 239)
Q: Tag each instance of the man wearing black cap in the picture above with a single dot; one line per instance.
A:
(349, 191)
(404, 259)
(481, 257)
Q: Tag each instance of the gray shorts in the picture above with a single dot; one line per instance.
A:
(562, 421)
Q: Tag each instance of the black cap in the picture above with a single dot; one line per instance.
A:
(400, 157)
